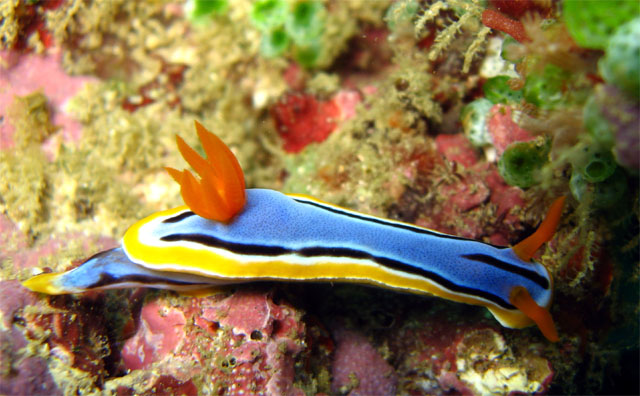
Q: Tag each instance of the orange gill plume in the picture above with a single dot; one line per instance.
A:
(521, 299)
(220, 193)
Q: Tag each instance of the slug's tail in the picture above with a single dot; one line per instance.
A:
(112, 269)
(220, 193)
(45, 283)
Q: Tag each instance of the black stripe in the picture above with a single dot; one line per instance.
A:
(525, 273)
(274, 251)
(108, 279)
(406, 227)
(179, 217)
(207, 240)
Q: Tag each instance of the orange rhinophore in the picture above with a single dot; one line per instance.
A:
(527, 247)
(220, 193)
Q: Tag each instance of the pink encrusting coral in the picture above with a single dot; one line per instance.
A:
(27, 73)
(245, 342)
(464, 192)
(503, 129)
(457, 148)
(506, 199)
(160, 333)
(243, 313)
(171, 343)
(358, 369)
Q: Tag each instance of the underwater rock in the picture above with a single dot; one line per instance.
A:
(163, 385)
(456, 354)
(506, 198)
(54, 346)
(23, 375)
(19, 374)
(243, 343)
(488, 366)
(14, 298)
(469, 193)
(503, 129)
(457, 148)
(161, 332)
(358, 368)
(464, 195)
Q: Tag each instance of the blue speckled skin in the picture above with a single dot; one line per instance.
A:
(271, 218)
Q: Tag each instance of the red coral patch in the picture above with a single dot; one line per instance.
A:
(302, 119)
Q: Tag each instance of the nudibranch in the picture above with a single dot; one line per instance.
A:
(228, 234)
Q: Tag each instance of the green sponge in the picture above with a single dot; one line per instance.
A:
(593, 163)
(305, 22)
(474, 122)
(603, 195)
(497, 90)
(309, 54)
(274, 43)
(592, 22)
(599, 128)
(545, 89)
(621, 64)
(198, 9)
(521, 162)
(268, 14)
